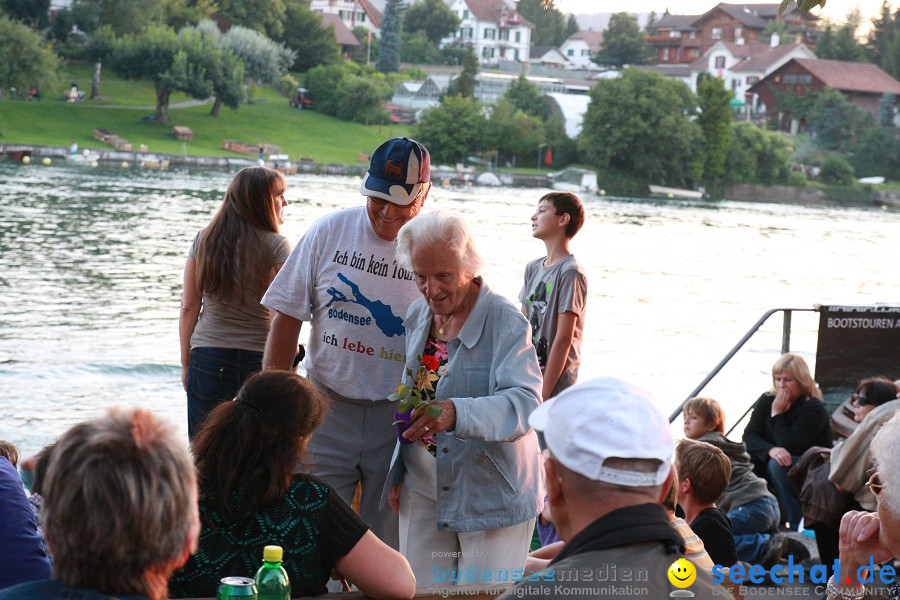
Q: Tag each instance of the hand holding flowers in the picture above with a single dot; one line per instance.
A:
(418, 413)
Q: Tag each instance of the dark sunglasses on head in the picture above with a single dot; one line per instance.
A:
(874, 484)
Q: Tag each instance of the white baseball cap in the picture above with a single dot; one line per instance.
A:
(606, 418)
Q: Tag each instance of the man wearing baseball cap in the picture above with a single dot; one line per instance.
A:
(608, 466)
(342, 278)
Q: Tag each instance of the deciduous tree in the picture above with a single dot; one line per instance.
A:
(639, 124)
(756, 155)
(526, 97)
(715, 120)
(515, 135)
(453, 129)
(433, 18)
(304, 33)
(26, 58)
(265, 16)
(32, 12)
(623, 43)
(549, 25)
(464, 85)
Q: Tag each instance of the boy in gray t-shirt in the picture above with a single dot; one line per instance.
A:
(555, 290)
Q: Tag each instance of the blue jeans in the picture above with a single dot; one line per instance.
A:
(751, 524)
(786, 490)
(214, 376)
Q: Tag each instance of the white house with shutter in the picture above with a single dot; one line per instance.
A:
(493, 29)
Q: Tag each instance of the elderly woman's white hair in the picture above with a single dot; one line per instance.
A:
(887, 460)
(443, 228)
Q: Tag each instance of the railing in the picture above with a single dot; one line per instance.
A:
(785, 348)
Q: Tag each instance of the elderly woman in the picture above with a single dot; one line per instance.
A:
(867, 537)
(469, 486)
(786, 421)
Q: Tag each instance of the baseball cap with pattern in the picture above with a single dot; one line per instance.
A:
(606, 418)
(397, 171)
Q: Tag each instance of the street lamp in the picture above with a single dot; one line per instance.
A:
(540, 147)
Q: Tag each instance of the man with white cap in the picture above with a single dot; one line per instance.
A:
(342, 277)
(608, 466)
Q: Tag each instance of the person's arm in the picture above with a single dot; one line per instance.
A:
(377, 570)
(281, 345)
(809, 419)
(191, 301)
(559, 351)
(757, 445)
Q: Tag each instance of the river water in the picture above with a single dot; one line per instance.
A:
(91, 268)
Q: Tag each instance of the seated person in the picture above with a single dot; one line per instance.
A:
(121, 512)
(786, 421)
(746, 500)
(9, 451)
(703, 472)
(246, 452)
(875, 401)
(22, 555)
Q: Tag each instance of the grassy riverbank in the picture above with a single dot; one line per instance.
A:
(125, 105)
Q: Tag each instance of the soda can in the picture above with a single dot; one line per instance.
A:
(237, 587)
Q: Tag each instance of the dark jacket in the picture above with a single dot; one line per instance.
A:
(804, 425)
(625, 553)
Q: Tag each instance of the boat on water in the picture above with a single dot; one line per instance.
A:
(575, 179)
(87, 157)
(670, 192)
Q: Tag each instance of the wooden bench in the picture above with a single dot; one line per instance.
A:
(182, 133)
(110, 138)
(250, 149)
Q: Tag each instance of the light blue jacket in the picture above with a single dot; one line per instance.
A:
(489, 472)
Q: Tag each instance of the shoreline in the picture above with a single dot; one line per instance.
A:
(775, 194)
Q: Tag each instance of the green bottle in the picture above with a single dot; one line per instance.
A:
(271, 579)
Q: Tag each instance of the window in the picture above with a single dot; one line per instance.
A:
(516, 54)
(504, 34)
(716, 33)
(362, 17)
(720, 62)
(518, 36)
(585, 52)
(490, 33)
(751, 79)
(340, 14)
(665, 54)
(487, 52)
(693, 35)
(570, 52)
(465, 14)
(738, 32)
(798, 78)
(674, 34)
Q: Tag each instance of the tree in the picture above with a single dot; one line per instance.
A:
(265, 16)
(26, 59)
(571, 26)
(623, 43)
(715, 121)
(361, 100)
(191, 63)
(32, 12)
(650, 28)
(549, 24)
(526, 97)
(433, 18)
(841, 44)
(453, 129)
(123, 16)
(882, 46)
(775, 26)
(312, 43)
(836, 121)
(99, 48)
(417, 49)
(368, 46)
(886, 110)
(464, 85)
(512, 133)
(756, 155)
(639, 124)
(389, 48)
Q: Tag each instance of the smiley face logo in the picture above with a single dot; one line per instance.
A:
(682, 573)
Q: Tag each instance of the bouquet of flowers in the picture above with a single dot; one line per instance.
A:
(421, 392)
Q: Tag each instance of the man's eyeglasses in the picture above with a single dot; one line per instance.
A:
(874, 484)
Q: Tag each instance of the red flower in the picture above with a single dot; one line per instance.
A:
(431, 363)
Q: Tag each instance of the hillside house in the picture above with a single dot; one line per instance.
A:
(862, 84)
(493, 29)
(352, 13)
(580, 47)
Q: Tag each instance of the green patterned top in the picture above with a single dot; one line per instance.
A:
(313, 525)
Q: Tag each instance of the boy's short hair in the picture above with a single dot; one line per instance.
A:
(706, 466)
(709, 410)
(567, 203)
(9, 450)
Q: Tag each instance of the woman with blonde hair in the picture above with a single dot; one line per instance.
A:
(223, 327)
(787, 420)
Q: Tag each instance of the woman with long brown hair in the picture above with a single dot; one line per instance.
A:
(246, 453)
(223, 327)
